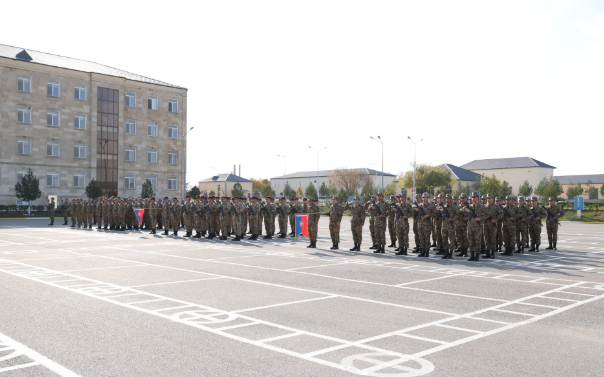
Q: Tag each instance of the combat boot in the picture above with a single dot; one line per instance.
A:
(400, 251)
(446, 256)
(105, 227)
(404, 251)
(166, 232)
(555, 246)
(472, 256)
(197, 235)
(398, 248)
(89, 226)
(152, 231)
(335, 246)
(461, 253)
(281, 235)
(376, 250)
(549, 247)
(537, 248)
(392, 245)
(508, 251)
(237, 238)
(519, 250)
(210, 236)
(425, 253)
(532, 247)
(373, 246)
(354, 248)
(416, 249)
(477, 257)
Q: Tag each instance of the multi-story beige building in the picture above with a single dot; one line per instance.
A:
(72, 121)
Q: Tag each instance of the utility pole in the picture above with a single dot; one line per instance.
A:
(414, 162)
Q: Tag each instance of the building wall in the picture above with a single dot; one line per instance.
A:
(277, 183)
(225, 187)
(516, 177)
(67, 135)
(585, 192)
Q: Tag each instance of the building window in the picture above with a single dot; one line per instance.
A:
(131, 154)
(53, 89)
(79, 151)
(153, 180)
(24, 146)
(20, 175)
(79, 121)
(172, 183)
(79, 180)
(152, 156)
(52, 118)
(24, 84)
(152, 129)
(172, 158)
(130, 127)
(24, 115)
(130, 100)
(80, 92)
(52, 179)
(129, 182)
(173, 132)
(152, 103)
(173, 106)
(52, 148)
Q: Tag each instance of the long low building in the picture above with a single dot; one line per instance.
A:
(596, 181)
(72, 121)
(304, 178)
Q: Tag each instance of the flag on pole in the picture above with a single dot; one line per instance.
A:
(302, 225)
(139, 214)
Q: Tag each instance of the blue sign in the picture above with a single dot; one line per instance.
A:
(578, 203)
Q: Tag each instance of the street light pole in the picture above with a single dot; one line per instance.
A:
(317, 167)
(284, 167)
(184, 156)
(379, 140)
(414, 165)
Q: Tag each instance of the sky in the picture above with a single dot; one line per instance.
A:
(471, 79)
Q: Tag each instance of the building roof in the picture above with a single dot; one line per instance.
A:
(31, 56)
(326, 173)
(462, 174)
(575, 179)
(506, 163)
(225, 178)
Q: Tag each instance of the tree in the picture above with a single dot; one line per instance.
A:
(194, 191)
(93, 190)
(389, 190)
(491, 185)
(311, 191)
(592, 192)
(368, 191)
(525, 189)
(548, 188)
(427, 177)
(506, 189)
(237, 189)
(349, 179)
(342, 196)
(28, 189)
(574, 191)
(212, 193)
(288, 191)
(324, 190)
(147, 190)
(299, 192)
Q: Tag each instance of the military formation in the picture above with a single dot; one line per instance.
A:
(445, 223)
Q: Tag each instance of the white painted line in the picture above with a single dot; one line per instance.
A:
(421, 281)
(125, 294)
(82, 285)
(283, 304)
(509, 311)
(580, 294)
(422, 338)
(279, 337)
(489, 320)
(561, 299)
(458, 328)
(141, 302)
(173, 282)
(237, 326)
(542, 306)
(104, 268)
(176, 307)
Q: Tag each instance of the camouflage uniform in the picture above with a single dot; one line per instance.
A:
(509, 227)
(165, 213)
(64, 209)
(475, 229)
(551, 224)
(449, 215)
(461, 229)
(153, 212)
(356, 224)
(522, 226)
(437, 221)
(336, 211)
(175, 215)
(225, 220)
(313, 223)
(391, 220)
(283, 216)
(380, 224)
(105, 214)
(292, 217)
(493, 212)
(254, 209)
(416, 225)
(51, 212)
(188, 214)
(372, 212)
(535, 226)
(424, 226)
(403, 209)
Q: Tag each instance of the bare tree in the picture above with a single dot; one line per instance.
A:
(350, 180)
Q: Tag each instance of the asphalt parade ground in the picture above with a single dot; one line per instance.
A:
(77, 302)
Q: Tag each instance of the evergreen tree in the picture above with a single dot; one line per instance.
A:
(525, 189)
(324, 190)
(212, 193)
(147, 190)
(342, 196)
(311, 191)
(288, 191)
(28, 189)
(389, 190)
(93, 190)
(237, 189)
(194, 191)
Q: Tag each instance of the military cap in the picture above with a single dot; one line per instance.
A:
(475, 195)
(335, 197)
(292, 199)
(425, 195)
(551, 198)
(440, 196)
(509, 197)
(489, 195)
(483, 197)
(403, 192)
(418, 196)
(463, 195)
(357, 198)
(187, 196)
(534, 198)
(380, 194)
(282, 198)
(448, 196)
(152, 198)
(392, 197)
(521, 198)
(175, 198)
(304, 198)
(373, 197)
(197, 197)
(165, 197)
(454, 196)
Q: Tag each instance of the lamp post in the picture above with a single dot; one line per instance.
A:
(284, 167)
(379, 140)
(184, 156)
(414, 155)
(317, 166)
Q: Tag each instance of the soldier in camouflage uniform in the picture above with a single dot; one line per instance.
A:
(535, 224)
(524, 216)
(418, 199)
(292, 216)
(382, 210)
(153, 211)
(437, 220)
(313, 221)
(283, 212)
(492, 217)
(425, 210)
(403, 211)
(238, 215)
(499, 237)
(254, 209)
(78, 206)
(188, 207)
(356, 224)
(449, 213)
(165, 213)
(335, 213)
(509, 225)
(368, 207)
(461, 227)
(91, 212)
(391, 221)
(99, 212)
(225, 218)
(210, 209)
(64, 209)
(175, 215)
(197, 216)
(51, 211)
(269, 217)
(554, 213)
(475, 211)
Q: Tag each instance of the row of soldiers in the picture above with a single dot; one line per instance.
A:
(451, 222)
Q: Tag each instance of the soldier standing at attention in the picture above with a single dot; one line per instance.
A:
(272, 210)
(64, 209)
(225, 218)
(254, 209)
(99, 212)
(418, 199)
(449, 213)
(165, 213)
(209, 213)
(475, 211)
(292, 216)
(51, 211)
(357, 222)
(461, 227)
(535, 224)
(554, 212)
(499, 237)
(313, 221)
(380, 223)
(283, 215)
(336, 211)
(492, 216)
(153, 211)
(524, 216)
(509, 225)
(403, 211)
(392, 223)
(175, 215)
(424, 226)
(438, 223)
(188, 214)
(371, 220)
(238, 212)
